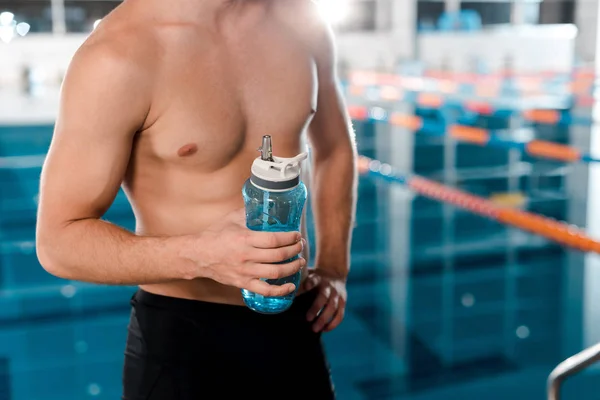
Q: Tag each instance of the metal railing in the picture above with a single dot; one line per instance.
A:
(570, 367)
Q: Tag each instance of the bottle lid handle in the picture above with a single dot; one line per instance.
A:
(290, 162)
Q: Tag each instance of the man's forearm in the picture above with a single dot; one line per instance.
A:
(96, 251)
(334, 196)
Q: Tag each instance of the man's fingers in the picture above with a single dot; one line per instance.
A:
(276, 271)
(319, 303)
(338, 318)
(263, 288)
(273, 240)
(276, 255)
(327, 314)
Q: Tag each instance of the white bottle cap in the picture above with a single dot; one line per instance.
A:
(281, 174)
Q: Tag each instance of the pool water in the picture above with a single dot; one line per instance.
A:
(442, 304)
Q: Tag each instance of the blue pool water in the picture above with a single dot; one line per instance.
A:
(442, 304)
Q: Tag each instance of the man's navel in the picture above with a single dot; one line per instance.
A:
(187, 150)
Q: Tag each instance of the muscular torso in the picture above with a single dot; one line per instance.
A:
(216, 93)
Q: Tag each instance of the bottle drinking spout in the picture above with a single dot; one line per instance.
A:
(266, 150)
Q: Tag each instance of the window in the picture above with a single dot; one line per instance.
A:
(37, 13)
(557, 12)
(428, 14)
(361, 16)
(80, 15)
(491, 13)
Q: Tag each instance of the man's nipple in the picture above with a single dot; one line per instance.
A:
(187, 150)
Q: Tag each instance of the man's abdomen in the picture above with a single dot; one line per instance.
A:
(187, 205)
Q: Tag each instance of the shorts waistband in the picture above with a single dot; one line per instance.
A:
(302, 303)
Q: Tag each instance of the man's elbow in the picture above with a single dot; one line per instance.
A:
(48, 249)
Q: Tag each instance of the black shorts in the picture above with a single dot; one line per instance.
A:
(191, 350)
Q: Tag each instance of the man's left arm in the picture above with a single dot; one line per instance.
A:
(334, 182)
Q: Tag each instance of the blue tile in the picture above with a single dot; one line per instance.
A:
(92, 338)
(5, 384)
(26, 270)
(44, 305)
(50, 384)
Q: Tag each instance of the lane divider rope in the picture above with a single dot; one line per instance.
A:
(553, 230)
(519, 85)
(469, 105)
(479, 136)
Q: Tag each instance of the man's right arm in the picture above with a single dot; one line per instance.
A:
(105, 100)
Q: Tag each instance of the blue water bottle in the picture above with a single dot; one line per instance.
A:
(274, 197)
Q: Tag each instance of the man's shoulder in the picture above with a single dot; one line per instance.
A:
(118, 46)
(306, 21)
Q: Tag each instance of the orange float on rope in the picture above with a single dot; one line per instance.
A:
(479, 107)
(412, 122)
(553, 230)
(363, 165)
(542, 116)
(438, 191)
(510, 199)
(555, 151)
(357, 90)
(430, 100)
(469, 134)
(581, 86)
(358, 112)
(586, 101)
(487, 90)
(447, 86)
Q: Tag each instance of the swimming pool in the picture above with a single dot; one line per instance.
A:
(443, 304)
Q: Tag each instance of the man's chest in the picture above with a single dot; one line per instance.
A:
(224, 99)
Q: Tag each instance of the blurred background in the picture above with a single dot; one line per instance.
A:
(476, 119)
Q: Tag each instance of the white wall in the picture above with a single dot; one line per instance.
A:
(531, 48)
(48, 54)
(53, 54)
(395, 40)
(361, 50)
(16, 108)
(367, 51)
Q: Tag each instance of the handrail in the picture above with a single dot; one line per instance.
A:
(556, 231)
(536, 148)
(570, 367)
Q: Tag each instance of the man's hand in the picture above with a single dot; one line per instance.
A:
(231, 254)
(328, 309)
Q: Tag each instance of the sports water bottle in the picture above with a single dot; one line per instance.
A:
(274, 197)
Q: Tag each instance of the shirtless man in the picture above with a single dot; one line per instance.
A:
(170, 99)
